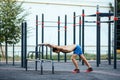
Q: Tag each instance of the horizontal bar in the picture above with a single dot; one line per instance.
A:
(99, 21)
(39, 60)
(55, 22)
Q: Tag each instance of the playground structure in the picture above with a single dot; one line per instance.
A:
(98, 16)
(81, 24)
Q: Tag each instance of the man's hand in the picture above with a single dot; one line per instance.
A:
(42, 44)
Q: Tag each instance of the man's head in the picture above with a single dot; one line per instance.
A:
(56, 50)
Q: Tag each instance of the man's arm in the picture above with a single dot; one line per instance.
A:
(49, 45)
(62, 48)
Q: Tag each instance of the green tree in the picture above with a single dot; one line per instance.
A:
(12, 14)
(118, 7)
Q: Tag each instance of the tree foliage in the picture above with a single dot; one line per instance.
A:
(11, 16)
(118, 22)
(118, 7)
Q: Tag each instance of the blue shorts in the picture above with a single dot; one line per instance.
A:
(78, 50)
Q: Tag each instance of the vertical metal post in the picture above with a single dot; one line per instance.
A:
(36, 48)
(52, 67)
(58, 36)
(25, 44)
(39, 51)
(65, 58)
(22, 47)
(46, 52)
(115, 34)
(42, 35)
(36, 36)
(13, 55)
(41, 67)
(80, 30)
(74, 28)
(83, 14)
(109, 41)
(80, 33)
(6, 50)
(98, 37)
(26, 64)
(51, 54)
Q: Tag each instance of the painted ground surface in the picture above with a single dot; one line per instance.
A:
(62, 72)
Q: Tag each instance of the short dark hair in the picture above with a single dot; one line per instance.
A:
(54, 49)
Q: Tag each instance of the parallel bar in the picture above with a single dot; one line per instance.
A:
(41, 61)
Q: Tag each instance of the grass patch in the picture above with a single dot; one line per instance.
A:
(62, 57)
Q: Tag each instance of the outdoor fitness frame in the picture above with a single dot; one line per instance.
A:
(81, 38)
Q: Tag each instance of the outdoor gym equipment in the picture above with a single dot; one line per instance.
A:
(38, 60)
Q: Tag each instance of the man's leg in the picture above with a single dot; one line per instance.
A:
(85, 60)
(73, 58)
